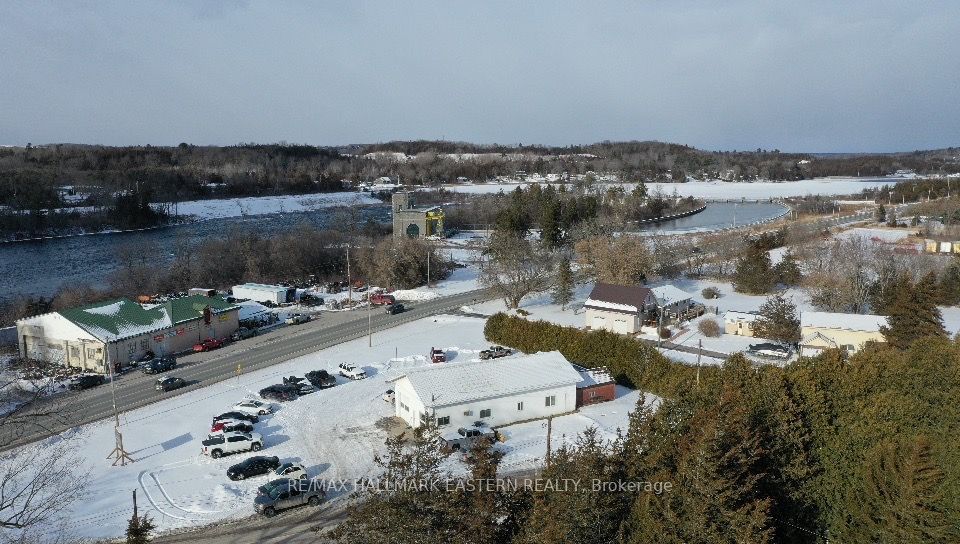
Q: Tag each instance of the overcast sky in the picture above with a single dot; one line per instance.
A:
(797, 76)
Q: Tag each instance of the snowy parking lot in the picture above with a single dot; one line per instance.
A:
(335, 433)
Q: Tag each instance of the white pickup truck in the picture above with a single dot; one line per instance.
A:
(352, 372)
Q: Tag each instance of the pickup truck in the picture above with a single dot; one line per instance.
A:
(464, 438)
(438, 355)
(243, 333)
(495, 352)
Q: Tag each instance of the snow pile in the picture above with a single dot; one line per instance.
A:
(414, 294)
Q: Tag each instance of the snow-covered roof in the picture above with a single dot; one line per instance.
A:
(251, 308)
(593, 376)
(849, 322)
(262, 287)
(121, 318)
(604, 305)
(456, 383)
(739, 316)
(668, 294)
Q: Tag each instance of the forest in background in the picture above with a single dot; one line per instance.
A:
(35, 178)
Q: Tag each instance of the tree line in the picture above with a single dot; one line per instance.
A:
(845, 449)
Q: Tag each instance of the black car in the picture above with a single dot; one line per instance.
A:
(394, 309)
(157, 366)
(236, 415)
(86, 381)
(170, 383)
(321, 379)
(254, 466)
(280, 392)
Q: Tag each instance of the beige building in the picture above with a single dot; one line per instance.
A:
(820, 331)
(619, 308)
(119, 331)
(739, 323)
(413, 221)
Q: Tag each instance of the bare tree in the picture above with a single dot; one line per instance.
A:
(38, 482)
(515, 267)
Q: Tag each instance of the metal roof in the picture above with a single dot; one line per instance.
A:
(457, 383)
(121, 318)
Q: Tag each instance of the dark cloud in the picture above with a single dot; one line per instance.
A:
(811, 76)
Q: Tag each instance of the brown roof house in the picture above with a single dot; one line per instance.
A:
(619, 308)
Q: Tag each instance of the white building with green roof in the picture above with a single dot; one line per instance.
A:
(119, 331)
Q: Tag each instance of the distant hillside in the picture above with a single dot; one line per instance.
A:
(33, 178)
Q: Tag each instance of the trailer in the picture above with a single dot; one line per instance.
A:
(277, 294)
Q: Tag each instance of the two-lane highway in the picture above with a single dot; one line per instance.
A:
(135, 390)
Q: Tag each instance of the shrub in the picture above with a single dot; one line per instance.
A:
(710, 292)
(521, 311)
(665, 332)
(710, 328)
(631, 361)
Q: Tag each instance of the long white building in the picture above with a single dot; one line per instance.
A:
(497, 392)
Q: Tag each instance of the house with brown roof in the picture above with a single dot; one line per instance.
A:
(619, 308)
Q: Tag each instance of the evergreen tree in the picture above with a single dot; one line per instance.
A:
(912, 314)
(563, 288)
(881, 214)
(787, 270)
(139, 529)
(754, 274)
(778, 320)
(550, 231)
(900, 497)
(892, 218)
(949, 288)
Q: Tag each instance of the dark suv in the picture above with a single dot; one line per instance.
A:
(321, 379)
(86, 381)
(285, 493)
(394, 309)
(280, 392)
(253, 466)
(157, 366)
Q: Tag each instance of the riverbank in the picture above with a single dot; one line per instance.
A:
(658, 220)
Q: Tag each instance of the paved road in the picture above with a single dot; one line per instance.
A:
(135, 390)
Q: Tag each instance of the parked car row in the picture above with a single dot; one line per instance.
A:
(232, 432)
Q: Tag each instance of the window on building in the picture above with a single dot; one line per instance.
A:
(91, 353)
(468, 413)
(520, 405)
(551, 400)
(74, 352)
(848, 347)
(592, 393)
(444, 420)
(484, 413)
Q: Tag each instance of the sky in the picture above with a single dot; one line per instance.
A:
(805, 76)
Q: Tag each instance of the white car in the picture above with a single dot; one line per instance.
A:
(218, 445)
(389, 396)
(292, 471)
(253, 407)
(352, 372)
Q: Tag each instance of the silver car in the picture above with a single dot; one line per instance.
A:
(286, 493)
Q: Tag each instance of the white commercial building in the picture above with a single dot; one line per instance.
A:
(497, 392)
(260, 292)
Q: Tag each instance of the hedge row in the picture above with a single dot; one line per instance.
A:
(631, 361)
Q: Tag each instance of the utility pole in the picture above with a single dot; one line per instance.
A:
(428, 269)
(549, 433)
(135, 503)
(349, 281)
(369, 321)
(699, 353)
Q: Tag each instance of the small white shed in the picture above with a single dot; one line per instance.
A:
(497, 392)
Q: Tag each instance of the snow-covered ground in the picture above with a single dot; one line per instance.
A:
(723, 189)
(262, 205)
(335, 433)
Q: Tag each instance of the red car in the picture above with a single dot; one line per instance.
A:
(208, 345)
(438, 355)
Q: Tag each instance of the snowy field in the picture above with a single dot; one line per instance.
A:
(334, 433)
(725, 190)
(262, 205)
